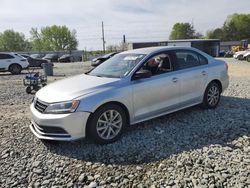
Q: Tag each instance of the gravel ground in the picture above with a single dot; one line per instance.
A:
(190, 148)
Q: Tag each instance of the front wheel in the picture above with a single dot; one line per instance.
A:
(240, 57)
(107, 123)
(212, 96)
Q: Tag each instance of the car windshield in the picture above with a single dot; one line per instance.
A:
(50, 55)
(34, 55)
(118, 66)
(22, 56)
(66, 55)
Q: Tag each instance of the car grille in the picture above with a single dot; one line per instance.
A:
(40, 106)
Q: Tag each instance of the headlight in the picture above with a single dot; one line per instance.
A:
(63, 107)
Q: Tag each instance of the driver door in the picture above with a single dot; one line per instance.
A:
(157, 94)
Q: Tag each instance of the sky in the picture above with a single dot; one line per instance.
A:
(138, 20)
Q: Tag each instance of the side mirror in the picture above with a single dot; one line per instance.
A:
(142, 74)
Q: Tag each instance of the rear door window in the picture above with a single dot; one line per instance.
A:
(186, 59)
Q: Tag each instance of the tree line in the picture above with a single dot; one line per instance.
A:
(53, 38)
(57, 38)
(236, 27)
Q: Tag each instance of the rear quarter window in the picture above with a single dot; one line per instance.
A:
(203, 60)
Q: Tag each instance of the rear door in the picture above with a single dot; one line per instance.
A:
(192, 71)
(157, 94)
(5, 61)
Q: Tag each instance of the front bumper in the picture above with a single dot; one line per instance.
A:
(235, 56)
(61, 127)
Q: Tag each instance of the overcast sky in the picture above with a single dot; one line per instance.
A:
(139, 20)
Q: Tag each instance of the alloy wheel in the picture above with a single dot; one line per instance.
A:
(213, 95)
(109, 124)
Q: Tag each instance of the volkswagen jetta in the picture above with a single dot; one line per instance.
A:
(131, 87)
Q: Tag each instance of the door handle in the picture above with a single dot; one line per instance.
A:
(204, 73)
(175, 79)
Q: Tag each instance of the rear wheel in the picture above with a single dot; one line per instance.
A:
(212, 96)
(15, 69)
(107, 123)
(248, 58)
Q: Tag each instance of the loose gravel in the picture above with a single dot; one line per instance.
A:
(190, 148)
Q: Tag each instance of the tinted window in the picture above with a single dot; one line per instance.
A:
(187, 59)
(6, 56)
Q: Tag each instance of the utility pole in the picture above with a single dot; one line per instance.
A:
(103, 39)
(123, 42)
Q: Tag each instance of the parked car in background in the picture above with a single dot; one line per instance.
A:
(129, 88)
(14, 63)
(35, 62)
(99, 60)
(51, 57)
(240, 54)
(66, 58)
(222, 53)
(246, 56)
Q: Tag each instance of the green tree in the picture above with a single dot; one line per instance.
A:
(53, 38)
(182, 31)
(13, 41)
(215, 34)
(236, 27)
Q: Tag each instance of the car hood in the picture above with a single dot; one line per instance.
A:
(73, 87)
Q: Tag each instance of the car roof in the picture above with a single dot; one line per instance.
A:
(150, 50)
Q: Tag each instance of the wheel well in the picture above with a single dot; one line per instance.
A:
(14, 64)
(217, 82)
(111, 102)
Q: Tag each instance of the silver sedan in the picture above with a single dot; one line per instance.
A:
(129, 88)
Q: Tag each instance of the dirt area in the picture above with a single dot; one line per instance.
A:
(238, 68)
(190, 148)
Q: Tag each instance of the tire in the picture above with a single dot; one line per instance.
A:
(211, 96)
(240, 57)
(28, 90)
(15, 69)
(248, 58)
(104, 129)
